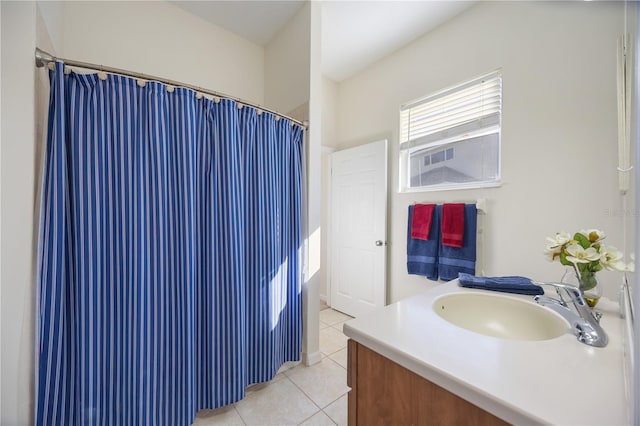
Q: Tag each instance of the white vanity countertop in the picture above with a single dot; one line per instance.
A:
(559, 381)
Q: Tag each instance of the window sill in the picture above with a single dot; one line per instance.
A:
(451, 187)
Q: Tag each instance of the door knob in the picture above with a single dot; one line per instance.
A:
(379, 243)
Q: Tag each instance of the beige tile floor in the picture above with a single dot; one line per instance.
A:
(297, 395)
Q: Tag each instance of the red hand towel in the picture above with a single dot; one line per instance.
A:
(421, 221)
(452, 224)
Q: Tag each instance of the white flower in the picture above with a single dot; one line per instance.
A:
(611, 259)
(594, 235)
(577, 254)
(595, 257)
(554, 249)
(559, 240)
(552, 252)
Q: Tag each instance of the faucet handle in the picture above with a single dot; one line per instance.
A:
(574, 293)
(584, 322)
(597, 315)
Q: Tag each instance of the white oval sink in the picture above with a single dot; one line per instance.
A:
(500, 316)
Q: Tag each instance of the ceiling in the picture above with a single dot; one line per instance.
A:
(355, 34)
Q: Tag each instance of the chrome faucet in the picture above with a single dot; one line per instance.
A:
(585, 324)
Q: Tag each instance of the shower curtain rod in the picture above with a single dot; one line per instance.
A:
(44, 58)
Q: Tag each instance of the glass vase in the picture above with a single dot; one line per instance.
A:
(587, 282)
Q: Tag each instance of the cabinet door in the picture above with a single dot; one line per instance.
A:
(434, 405)
(385, 393)
(383, 390)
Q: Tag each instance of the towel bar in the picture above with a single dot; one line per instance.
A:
(481, 203)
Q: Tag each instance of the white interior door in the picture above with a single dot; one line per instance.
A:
(358, 228)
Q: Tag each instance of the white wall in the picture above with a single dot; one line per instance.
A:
(161, 39)
(325, 209)
(329, 140)
(311, 294)
(286, 65)
(17, 223)
(559, 125)
(630, 210)
(52, 16)
(329, 112)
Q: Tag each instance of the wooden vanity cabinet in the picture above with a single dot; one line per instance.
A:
(385, 393)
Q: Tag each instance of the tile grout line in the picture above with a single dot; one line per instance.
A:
(268, 383)
(333, 402)
(320, 409)
(311, 399)
(308, 397)
(240, 415)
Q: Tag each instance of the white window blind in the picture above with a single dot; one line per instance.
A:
(451, 139)
(462, 109)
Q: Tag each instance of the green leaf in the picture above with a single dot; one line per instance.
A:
(582, 268)
(582, 240)
(563, 259)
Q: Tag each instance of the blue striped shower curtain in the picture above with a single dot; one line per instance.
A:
(169, 270)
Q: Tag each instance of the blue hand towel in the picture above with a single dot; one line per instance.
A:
(518, 285)
(422, 255)
(452, 260)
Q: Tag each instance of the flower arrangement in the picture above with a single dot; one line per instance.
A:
(586, 254)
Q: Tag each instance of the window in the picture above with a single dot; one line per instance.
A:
(451, 139)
